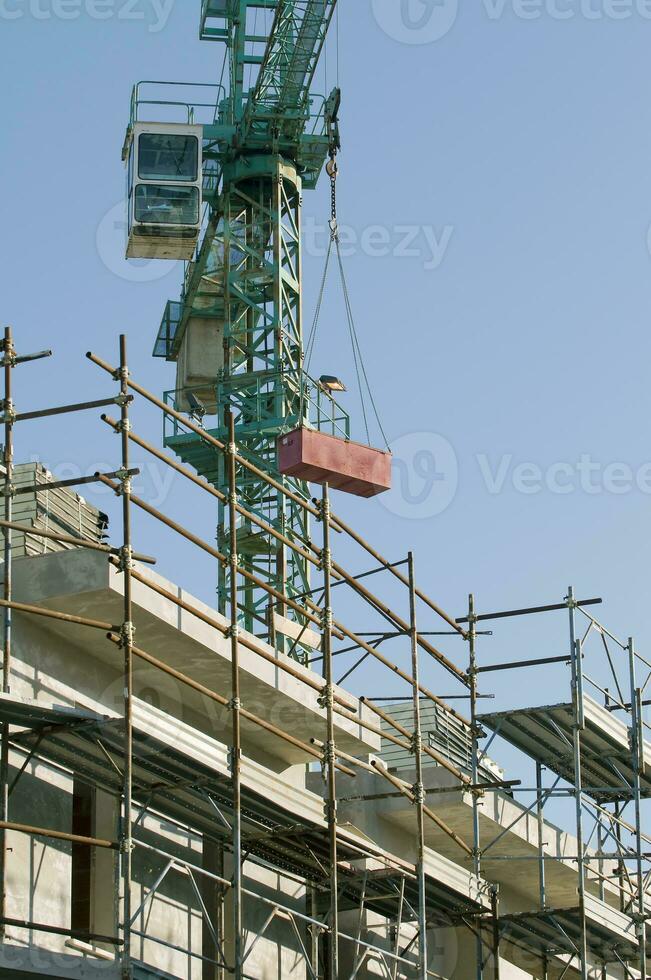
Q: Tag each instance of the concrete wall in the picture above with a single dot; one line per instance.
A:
(55, 672)
(59, 667)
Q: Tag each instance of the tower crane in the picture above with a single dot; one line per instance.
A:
(225, 194)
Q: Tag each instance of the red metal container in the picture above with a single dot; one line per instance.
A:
(320, 458)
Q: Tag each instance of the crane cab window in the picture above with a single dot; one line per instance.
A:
(166, 156)
(165, 190)
(161, 205)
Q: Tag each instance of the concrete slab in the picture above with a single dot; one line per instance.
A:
(545, 734)
(174, 766)
(517, 876)
(167, 753)
(401, 840)
(85, 584)
(559, 930)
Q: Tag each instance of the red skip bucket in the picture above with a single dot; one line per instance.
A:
(320, 458)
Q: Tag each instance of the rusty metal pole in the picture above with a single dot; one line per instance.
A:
(495, 921)
(578, 726)
(638, 764)
(9, 355)
(235, 703)
(474, 732)
(126, 638)
(540, 819)
(330, 747)
(419, 787)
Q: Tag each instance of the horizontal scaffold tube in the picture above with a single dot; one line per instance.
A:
(71, 540)
(406, 791)
(402, 743)
(95, 624)
(248, 641)
(398, 574)
(213, 552)
(21, 828)
(194, 539)
(66, 409)
(206, 436)
(77, 481)
(398, 621)
(374, 652)
(224, 702)
(335, 523)
(366, 766)
(432, 753)
(214, 492)
(79, 934)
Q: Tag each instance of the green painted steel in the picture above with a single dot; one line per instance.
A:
(266, 143)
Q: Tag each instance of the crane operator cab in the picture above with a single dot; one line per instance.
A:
(164, 184)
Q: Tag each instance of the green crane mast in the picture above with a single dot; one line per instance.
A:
(267, 142)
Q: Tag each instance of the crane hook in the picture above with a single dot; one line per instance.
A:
(332, 171)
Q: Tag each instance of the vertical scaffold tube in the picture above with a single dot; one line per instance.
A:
(577, 728)
(419, 788)
(236, 747)
(9, 356)
(495, 911)
(637, 749)
(127, 637)
(476, 847)
(542, 889)
(330, 748)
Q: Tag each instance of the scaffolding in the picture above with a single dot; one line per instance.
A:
(213, 791)
(596, 756)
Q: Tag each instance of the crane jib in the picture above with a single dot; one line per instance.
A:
(235, 332)
(290, 61)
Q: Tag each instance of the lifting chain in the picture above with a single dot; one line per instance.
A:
(332, 171)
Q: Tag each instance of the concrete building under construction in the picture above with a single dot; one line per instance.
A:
(382, 838)
(196, 790)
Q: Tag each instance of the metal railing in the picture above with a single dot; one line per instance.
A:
(254, 396)
(184, 110)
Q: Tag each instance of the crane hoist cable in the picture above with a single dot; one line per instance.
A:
(358, 360)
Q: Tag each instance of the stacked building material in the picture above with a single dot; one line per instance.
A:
(444, 733)
(60, 510)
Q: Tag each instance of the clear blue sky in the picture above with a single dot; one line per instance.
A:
(513, 156)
